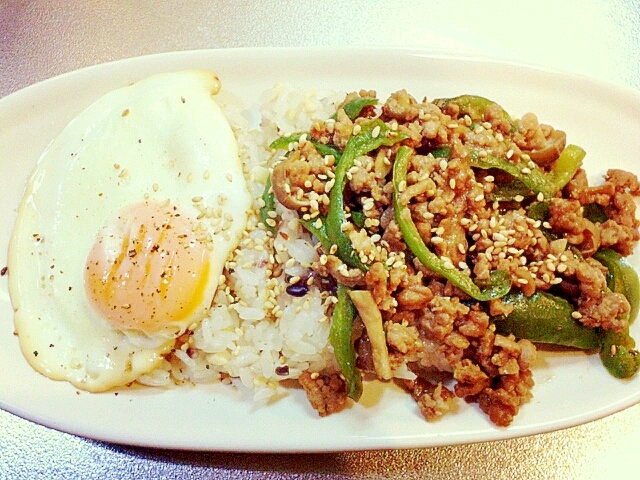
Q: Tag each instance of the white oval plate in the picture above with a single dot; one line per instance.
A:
(571, 388)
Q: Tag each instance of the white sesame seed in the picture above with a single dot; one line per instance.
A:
(499, 237)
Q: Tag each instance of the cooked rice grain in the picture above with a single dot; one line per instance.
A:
(252, 336)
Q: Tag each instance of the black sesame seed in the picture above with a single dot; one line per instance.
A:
(282, 370)
(298, 289)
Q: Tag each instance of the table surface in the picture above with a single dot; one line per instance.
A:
(601, 38)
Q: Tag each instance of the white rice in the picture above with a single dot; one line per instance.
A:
(256, 334)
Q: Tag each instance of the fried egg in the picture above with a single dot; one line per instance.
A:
(123, 231)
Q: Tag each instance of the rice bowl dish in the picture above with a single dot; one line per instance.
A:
(270, 324)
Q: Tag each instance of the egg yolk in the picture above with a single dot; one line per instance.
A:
(147, 271)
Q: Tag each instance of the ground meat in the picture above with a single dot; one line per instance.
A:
(598, 306)
(620, 231)
(377, 278)
(434, 400)
(401, 106)
(404, 339)
(413, 293)
(474, 324)
(437, 321)
(326, 393)
(342, 130)
(299, 174)
(470, 377)
(494, 114)
(623, 181)
(565, 217)
(333, 266)
(622, 210)
(462, 217)
(503, 400)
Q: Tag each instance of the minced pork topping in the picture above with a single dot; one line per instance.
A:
(438, 225)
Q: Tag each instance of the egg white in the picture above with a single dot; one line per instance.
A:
(161, 139)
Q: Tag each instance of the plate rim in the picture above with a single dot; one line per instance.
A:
(51, 83)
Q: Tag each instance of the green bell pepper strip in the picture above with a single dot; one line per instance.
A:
(500, 280)
(621, 278)
(364, 142)
(358, 218)
(545, 318)
(595, 213)
(319, 233)
(536, 180)
(283, 143)
(508, 191)
(617, 349)
(441, 152)
(342, 319)
(618, 354)
(355, 106)
(538, 211)
(269, 205)
(472, 105)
